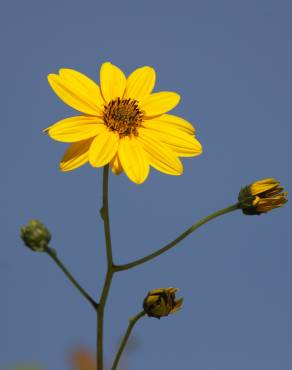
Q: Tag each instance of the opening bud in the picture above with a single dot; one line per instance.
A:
(161, 302)
(262, 196)
(35, 236)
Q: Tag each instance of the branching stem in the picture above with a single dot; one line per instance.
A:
(112, 269)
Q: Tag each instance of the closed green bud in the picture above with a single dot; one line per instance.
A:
(35, 236)
(161, 302)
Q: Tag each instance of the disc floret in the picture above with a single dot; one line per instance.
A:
(123, 116)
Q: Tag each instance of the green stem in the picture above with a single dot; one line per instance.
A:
(105, 216)
(52, 253)
(124, 341)
(100, 318)
(182, 236)
(110, 270)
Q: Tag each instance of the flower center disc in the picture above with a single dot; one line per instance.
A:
(123, 116)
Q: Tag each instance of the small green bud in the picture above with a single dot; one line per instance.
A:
(35, 236)
(161, 302)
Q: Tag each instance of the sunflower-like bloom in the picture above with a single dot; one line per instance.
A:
(262, 196)
(123, 123)
(161, 302)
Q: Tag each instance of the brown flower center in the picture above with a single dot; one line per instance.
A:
(123, 116)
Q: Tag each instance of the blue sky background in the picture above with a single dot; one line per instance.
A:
(231, 62)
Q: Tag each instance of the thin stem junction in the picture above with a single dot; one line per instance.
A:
(112, 269)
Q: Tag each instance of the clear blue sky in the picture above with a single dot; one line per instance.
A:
(231, 62)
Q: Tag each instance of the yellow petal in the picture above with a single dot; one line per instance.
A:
(178, 305)
(77, 90)
(140, 83)
(263, 185)
(183, 144)
(75, 156)
(103, 148)
(72, 129)
(133, 159)
(176, 122)
(116, 165)
(159, 103)
(112, 81)
(159, 155)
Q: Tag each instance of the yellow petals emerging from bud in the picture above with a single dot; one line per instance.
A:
(161, 302)
(35, 236)
(261, 197)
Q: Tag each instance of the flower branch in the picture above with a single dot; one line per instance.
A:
(37, 238)
(132, 323)
(173, 243)
(52, 253)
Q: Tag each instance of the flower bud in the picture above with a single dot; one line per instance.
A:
(161, 302)
(261, 197)
(35, 236)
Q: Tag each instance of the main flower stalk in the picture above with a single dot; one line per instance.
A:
(110, 270)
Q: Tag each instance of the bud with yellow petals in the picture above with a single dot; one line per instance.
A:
(262, 196)
(161, 302)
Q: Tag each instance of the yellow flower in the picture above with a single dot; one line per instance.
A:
(262, 196)
(123, 123)
(161, 302)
